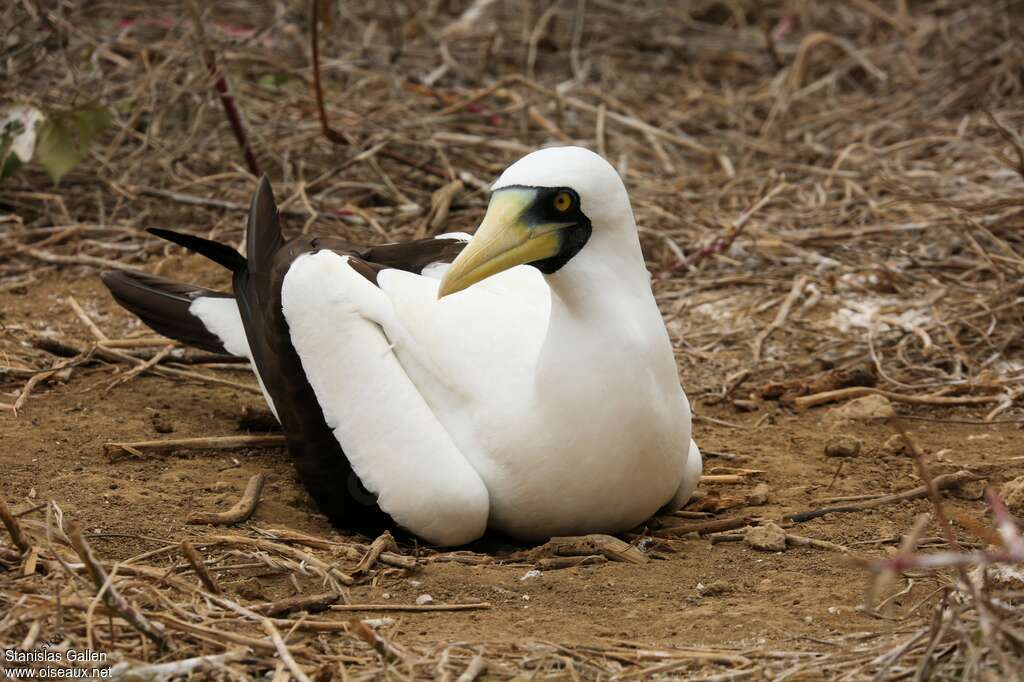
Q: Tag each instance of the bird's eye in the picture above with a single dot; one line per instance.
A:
(563, 202)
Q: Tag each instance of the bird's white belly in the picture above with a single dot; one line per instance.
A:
(595, 442)
(586, 469)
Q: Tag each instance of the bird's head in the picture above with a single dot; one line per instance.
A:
(543, 211)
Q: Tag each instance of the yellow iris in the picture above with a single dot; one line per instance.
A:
(563, 200)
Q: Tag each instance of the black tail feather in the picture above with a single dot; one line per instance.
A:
(263, 238)
(163, 305)
(319, 458)
(257, 279)
(221, 254)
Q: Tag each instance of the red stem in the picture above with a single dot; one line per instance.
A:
(226, 98)
(318, 9)
(234, 118)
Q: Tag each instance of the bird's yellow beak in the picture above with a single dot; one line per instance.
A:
(504, 239)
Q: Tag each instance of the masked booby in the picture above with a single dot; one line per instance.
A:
(520, 380)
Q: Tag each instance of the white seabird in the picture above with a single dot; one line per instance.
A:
(527, 386)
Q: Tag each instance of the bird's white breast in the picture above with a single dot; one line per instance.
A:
(600, 448)
(591, 436)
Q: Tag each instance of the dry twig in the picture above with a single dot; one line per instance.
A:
(199, 566)
(13, 528)
(944, 482)
(110, 595)
(207, 443)
(241, 511)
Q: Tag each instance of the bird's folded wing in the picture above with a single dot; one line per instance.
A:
(393, 440)
(170, 308)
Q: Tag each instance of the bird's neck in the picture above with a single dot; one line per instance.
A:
(602, 310)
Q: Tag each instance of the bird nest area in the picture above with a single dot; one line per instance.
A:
(831, 204)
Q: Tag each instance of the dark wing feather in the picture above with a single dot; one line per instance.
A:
(163, 305)
(411, 256)
(415, 255)
(319, 459)
(263, 236)
(222, 254)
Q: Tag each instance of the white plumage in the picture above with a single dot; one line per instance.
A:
(541, 400)
(538, 405)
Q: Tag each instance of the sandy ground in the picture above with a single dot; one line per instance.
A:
(700, 594)
(858, 165)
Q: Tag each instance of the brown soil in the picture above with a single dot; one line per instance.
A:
(805, 598)
(852, 171)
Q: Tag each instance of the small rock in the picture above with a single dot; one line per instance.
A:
(1003, 575)
(759, 495)
(861, 409)
(298, 500)
(713, 588)
(260, 420)
(160, 423)
(767, 538)
(251, 589)
(1012, 493)
(895, 445)
(379, 622)
(424, 599)
(970, 490)
(746, 405)
(532, 573)
(842, 446)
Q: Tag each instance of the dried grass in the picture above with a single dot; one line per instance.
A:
(847, 172)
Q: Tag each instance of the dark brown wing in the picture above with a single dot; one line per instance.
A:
(411, 256)
(319, 458)
(163, 305)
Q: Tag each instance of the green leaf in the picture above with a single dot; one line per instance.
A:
(10, 163)
(272, 81)
(64, 139)
(57, 149)
(5, 154)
